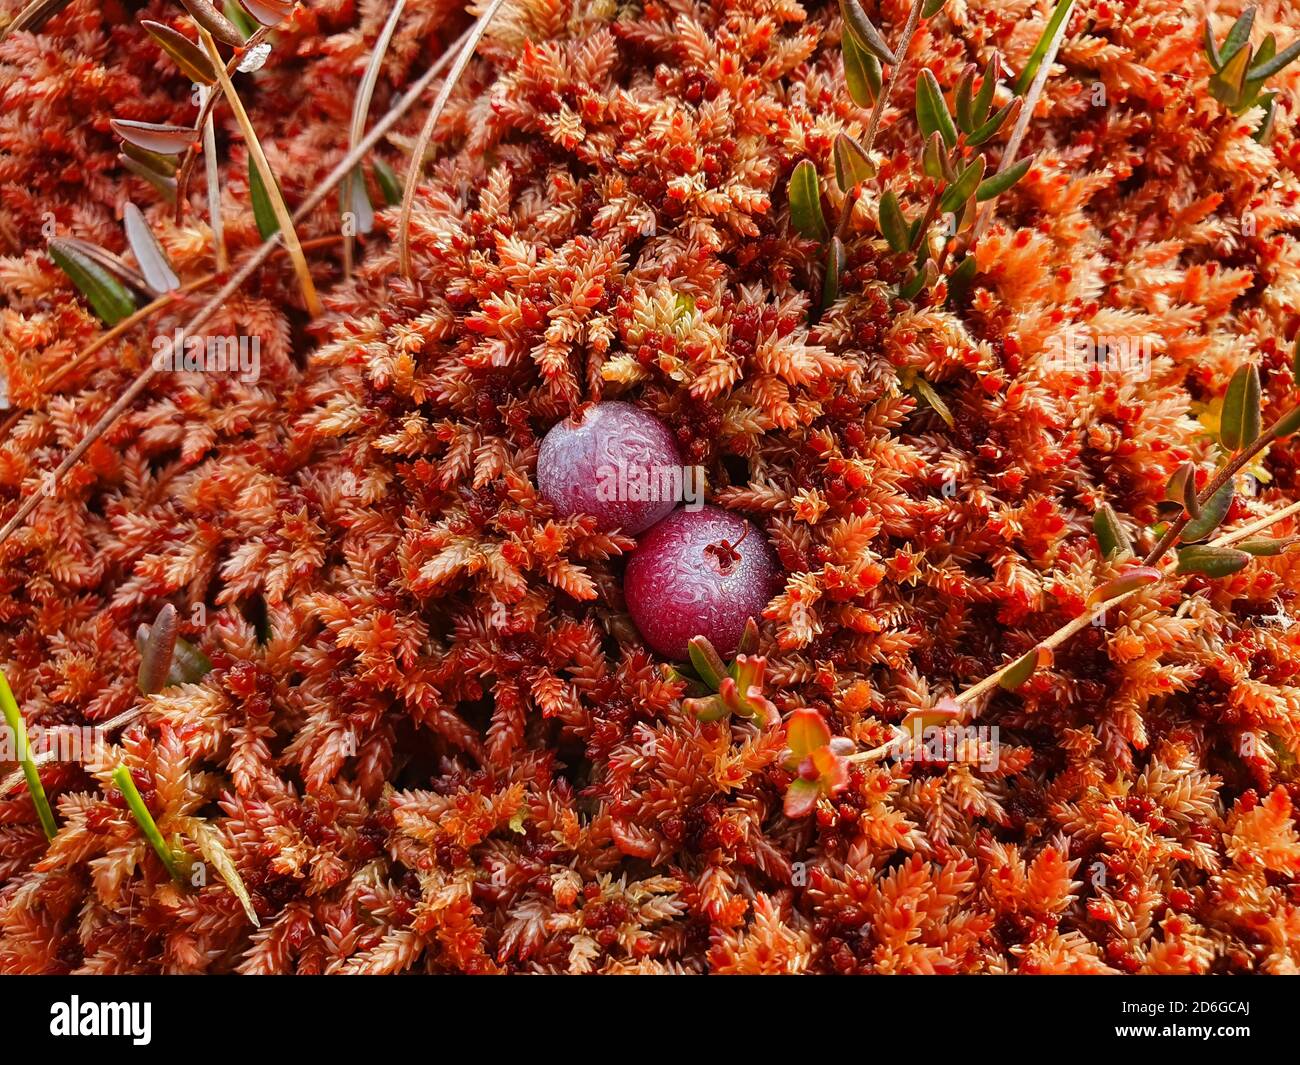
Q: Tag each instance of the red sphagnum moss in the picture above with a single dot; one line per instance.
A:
(431, 738)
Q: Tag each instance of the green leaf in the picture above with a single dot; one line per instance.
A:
(866, 34)
(1040, 49)
(154, 264)
(960, 191)
(267, 222)
(990, 128)
(893, 226)
(708, 664)
(834, 268)
(1268, 547)
(1239, 423)
(1266, 67)
(187, 55)
(162, 165)
(107, 295)
(18, 737)
(931, 111)
(1181, 489)
(934, 156)
(861, 72)
(852, 164)
(1265, 131)
(1020, 672)
(239, 17)
(148, 827)
(1237, 36)
(189, 664)
(1211, 561)
(1111, 537)
(932, 8)
(911, 288)
(963, 99)
(1213, 511)
(389, 184)
(1000, 182)
(984, 98)
(806, 202)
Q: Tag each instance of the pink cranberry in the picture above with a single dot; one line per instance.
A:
(615, 462)
(699, 573)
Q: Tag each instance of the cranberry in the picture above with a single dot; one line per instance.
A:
(699, 573)
(612, 461)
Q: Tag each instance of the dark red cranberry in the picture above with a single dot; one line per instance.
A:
(613, 461)
(699, 573)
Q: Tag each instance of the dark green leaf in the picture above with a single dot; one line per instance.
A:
(1211, 561)
(931, 111)
(1007, 112)
(1228, 85)
(111, 299)
(267, 223)
(187, 55)
(806, 202)
(111, 263)
(960, 191)
(1213, 511)
(861, 72)
(389, 184)
(834, 267)
(239, 17)
(932, 8)
(1239, 423)
(1237, 36)
(155, 137)
(1265, 131)
(984, 98)
(855, 19)
(962, 101)
(933, 157)
(154, 264)
(852, 164)
(1040, 49)
(911, 288)
(1111, 537)
(1267, 67)
(999, 183)
(1268, 547)
(893, 226)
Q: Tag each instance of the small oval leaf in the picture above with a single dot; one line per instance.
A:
(893, 226)
(1239, 423)
(835, 260)
(857, 23)
(1287, 424)
(263, 212)
(1128, 581)
(110, 298)
(162, 165)
(214, 22)
(806, 202)
(1211, 561)
(1268, 547)
(1213, 511)
(1000, 182)
(960, 190)
(931, 111)
(862, 72)
(165, 185)
(852, 164)
(1111, 537)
